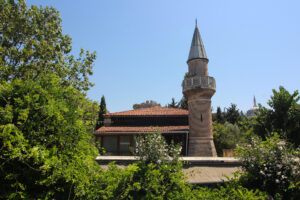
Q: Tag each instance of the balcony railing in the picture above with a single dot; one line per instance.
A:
(205, 82)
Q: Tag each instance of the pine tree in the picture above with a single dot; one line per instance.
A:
(232, 114)
(102, 111)
(183, 104)
(173, 104)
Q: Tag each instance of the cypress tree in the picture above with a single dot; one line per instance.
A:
(219, 116)
(102, 111)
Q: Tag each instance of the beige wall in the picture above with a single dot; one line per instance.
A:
(198, 67)
(200, 123)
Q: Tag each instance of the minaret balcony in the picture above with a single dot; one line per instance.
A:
(199, 82)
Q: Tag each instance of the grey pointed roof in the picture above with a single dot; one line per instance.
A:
(197, 49)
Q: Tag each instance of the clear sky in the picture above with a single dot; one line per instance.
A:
(142, 47)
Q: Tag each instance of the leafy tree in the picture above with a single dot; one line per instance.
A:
(225, 136)
(33, 44)
(232, 114)
(282, 117)
(45, 117)
(229, 136)
(102, 111)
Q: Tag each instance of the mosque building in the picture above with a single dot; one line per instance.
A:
(191, 128)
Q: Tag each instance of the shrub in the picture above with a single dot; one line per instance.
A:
(157, 175)
(227, 136)
(152, 148)
(229, 192)
(271, 166)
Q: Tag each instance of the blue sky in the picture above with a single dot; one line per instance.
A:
(142, 47)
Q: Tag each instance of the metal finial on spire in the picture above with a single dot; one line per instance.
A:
(196, 23)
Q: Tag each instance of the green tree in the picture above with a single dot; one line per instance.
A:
(282, 117)
(227, 136)
(232, 114)
(183, 103)
(102, 111)
(45, 117)
(33, 44)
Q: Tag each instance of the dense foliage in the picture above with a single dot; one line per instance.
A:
(271, 166)
(33, 44)
(44, 139)
(159, 175)
(228, 136)
(283, 116)
(232, 114)
(45, 118)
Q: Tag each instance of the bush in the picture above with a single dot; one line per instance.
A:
(152, 148)
(157, 175)
(150, 181)
(229, 192)
(271, 166)
(227, 136)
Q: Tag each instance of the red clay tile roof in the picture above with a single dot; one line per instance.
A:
(105, 129)
(153, 111)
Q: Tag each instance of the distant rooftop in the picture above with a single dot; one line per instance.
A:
(153, 111)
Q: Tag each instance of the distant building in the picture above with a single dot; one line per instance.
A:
(147, 104)
(251, 112)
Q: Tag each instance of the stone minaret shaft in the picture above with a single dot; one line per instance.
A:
(198, 88)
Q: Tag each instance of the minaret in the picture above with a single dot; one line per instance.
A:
(254, 103)
(198, 88)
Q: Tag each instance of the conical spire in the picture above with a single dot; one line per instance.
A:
(197, 49)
